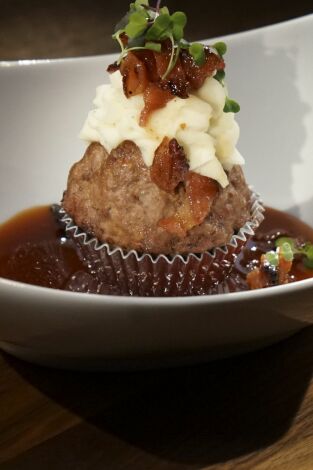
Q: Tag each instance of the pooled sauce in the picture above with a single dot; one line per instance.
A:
(35, 249)
(276, 224)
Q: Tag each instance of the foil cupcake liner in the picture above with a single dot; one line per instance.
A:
(113, 270)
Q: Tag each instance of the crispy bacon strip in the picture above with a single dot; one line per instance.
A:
(113, 67)
(143, 70)
(284, 270)
(135, 76)
(195, 74)
(149, 59)
(154, 98)
(162, 60)
(178, 224)
(257, 279)
(169, 166)
(200, 192)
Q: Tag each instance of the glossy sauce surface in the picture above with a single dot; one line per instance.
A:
(276, 223)
(34, 249)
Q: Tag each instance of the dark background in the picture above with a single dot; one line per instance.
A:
(62, 28)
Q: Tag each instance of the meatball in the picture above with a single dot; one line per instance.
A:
(113, 197)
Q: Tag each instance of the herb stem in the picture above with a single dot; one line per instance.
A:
(125, 52)
(171, 61)
(176, 56)
(157, 8)
(117, 37)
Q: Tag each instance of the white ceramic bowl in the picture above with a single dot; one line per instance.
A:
(43, 105)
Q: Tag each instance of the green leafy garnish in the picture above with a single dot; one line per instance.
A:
(139, 3)
(308, 253)
(283, 240)
(308, 263)
(305, 250)
(137, 43)
(272, 258)
(231, 106)
(287, 248)
(184, 44)
(220, 47)
(160, 29)
(137, 24)
(286, 251)
(179, 20)
(284, 247)
(197, 51)
(146, 27)
(153, 46)
(220, 76)
(164, 10)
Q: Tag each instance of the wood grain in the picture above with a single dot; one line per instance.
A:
(250, 412)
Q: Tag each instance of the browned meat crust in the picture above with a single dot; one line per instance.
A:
(112, 197)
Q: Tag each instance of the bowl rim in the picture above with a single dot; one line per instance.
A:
(68, 296)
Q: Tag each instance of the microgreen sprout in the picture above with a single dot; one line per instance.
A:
(286, 251)
(272, 258)
(154, 25)
(220, 76)
(146, 27)
(220, 48)
(305, 250)
(284, 248)
(197, 51)
(231, 106)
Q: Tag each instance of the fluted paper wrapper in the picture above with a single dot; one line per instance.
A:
(113, 270)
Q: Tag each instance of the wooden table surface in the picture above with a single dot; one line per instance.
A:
(249, 412)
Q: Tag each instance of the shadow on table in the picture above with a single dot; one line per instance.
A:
(195, 415)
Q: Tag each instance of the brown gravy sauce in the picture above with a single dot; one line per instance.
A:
(34, 249)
